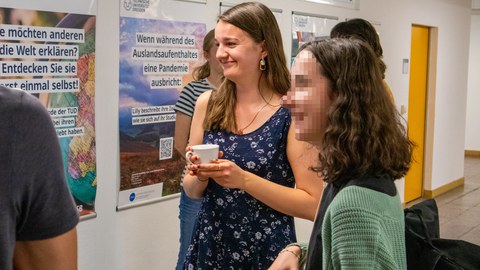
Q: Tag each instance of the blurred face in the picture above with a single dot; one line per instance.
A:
(238, 54)
(211, 57)
(309, 99)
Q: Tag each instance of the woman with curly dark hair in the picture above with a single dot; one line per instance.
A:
(339, 103)
(365, 31)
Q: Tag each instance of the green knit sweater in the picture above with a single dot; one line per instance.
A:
(364, 229)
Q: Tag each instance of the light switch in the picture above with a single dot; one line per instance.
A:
(405, 66)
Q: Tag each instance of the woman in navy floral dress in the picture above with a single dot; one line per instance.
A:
(263, 178)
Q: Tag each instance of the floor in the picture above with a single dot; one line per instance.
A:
(459, 209)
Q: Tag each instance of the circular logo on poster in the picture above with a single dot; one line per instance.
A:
(127, 4)
(132, 196)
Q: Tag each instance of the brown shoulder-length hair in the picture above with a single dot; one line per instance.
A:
(260, 24)
(364, 30)
(364, 134)
(203, 71)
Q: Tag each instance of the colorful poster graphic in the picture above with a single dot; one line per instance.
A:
(156, 60)
(52, 56)
(306, 27)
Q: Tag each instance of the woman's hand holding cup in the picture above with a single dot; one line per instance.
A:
(201, 154)
(204, 163)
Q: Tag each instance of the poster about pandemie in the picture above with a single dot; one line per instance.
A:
(51, 55)
(156, 60)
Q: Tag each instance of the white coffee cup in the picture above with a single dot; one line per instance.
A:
(206, 153)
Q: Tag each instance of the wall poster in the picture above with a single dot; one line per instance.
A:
(156, 61)
(307, 27)
(51, 55)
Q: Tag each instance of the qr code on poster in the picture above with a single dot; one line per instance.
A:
(166, 148)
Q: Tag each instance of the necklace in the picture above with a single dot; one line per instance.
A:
(240, 131)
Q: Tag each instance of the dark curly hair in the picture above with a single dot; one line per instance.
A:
(364, 30)
(365, 134)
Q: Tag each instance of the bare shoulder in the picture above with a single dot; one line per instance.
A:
(202, 100)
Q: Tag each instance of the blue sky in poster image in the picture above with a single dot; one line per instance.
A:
(134, 86)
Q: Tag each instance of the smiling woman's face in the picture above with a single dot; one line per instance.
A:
(238, 53)
(309, 98)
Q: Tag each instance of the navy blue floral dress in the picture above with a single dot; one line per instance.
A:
(235, 230)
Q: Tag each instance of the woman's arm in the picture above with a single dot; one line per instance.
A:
(193, 185)
(57, 253)
(292, 257)
(301, 201)
(182, 130)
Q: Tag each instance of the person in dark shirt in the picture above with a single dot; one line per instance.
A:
(38, 215)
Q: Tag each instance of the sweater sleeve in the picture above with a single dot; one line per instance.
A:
(356, 236)
(350, 240)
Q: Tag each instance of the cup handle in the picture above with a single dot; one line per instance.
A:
(188, 155)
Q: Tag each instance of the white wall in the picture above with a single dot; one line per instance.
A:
(146, 237)
(472, 138)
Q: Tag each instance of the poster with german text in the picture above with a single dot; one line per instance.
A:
(156, 61)
(51, 55)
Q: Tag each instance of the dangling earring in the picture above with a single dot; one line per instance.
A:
(263, 65)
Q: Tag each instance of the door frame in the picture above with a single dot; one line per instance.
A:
(430, 111)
